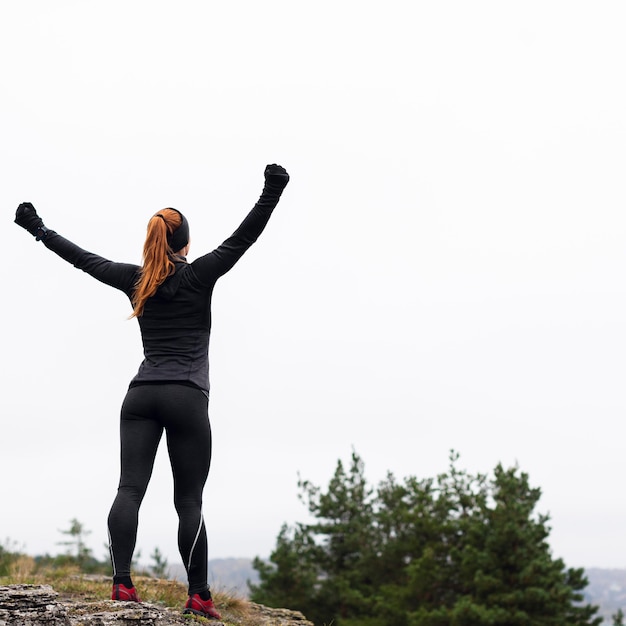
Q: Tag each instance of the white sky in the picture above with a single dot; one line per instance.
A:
(445, 269)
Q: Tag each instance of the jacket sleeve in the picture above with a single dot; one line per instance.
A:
(119, 275)
(211, 266)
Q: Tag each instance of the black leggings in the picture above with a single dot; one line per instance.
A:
(183, 412)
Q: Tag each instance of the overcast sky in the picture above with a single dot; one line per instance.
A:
(444, 271)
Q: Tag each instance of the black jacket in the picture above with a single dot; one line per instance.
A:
(176, 321)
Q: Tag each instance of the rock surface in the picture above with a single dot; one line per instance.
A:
(28, 605)
(41, 605)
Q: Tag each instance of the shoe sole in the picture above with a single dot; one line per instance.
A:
(187, 611)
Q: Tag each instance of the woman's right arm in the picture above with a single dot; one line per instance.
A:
(119, 275)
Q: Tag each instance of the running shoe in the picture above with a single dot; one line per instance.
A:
(195, 604)
(124, 593)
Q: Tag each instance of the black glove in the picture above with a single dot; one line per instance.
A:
(276, 177)
(26, 217)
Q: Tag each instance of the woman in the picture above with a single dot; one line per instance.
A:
(172, 301)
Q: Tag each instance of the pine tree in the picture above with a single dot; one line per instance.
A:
(344, 534)
(498, 568)
(159, 564)
(457, 550)
(291, 577)
(77, 532)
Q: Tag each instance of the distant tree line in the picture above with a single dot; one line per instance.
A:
(77, 556)
(455, 550)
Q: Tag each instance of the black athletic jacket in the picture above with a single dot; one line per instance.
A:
(176, 321)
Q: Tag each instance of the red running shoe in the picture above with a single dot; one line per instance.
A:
(205, 608)
(124, 593)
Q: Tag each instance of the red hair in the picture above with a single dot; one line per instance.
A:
(157, 264)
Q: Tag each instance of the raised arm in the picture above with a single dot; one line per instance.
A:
(119, 275)
(211, 266)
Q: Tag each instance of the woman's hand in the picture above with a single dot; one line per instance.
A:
(26, 217)
(276, 176)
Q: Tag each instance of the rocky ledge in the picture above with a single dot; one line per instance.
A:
(41, 605)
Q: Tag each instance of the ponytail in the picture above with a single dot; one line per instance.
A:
(157, 264)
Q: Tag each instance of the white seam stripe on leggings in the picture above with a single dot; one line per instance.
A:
(111, 552)
(195, 541)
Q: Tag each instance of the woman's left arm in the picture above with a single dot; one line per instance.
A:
(209, 267)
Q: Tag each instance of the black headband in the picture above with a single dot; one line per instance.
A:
(180, 237)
